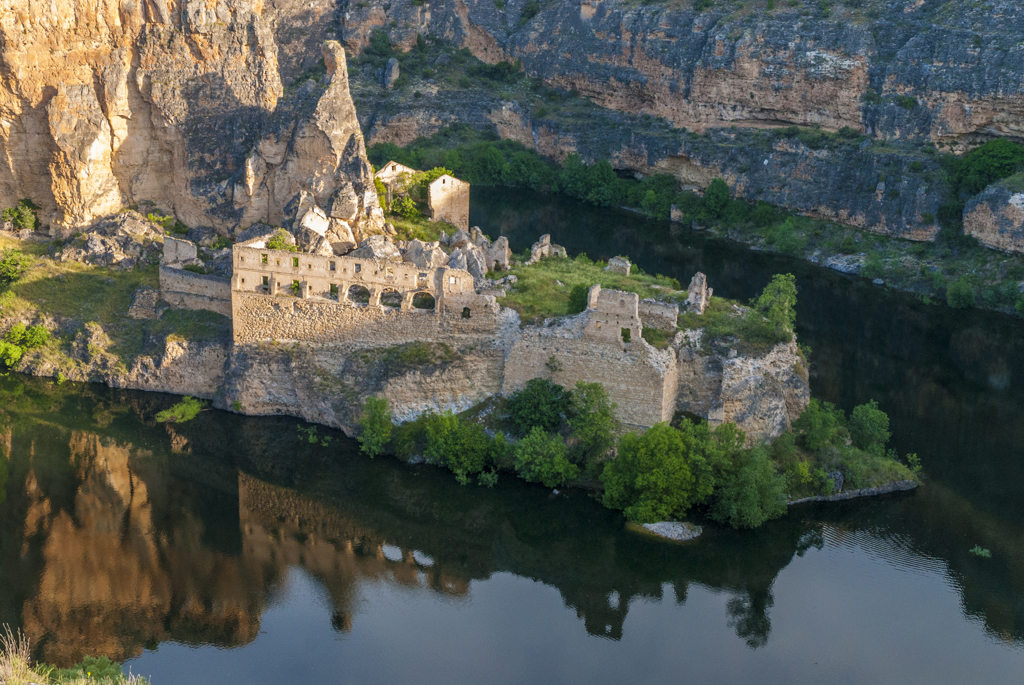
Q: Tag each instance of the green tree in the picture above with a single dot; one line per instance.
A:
(822, 423)
(658, 475)
(603, 185)
(13, 265)
(592, 423)
(716, 197)
(573, 178)
(869, 428)
(22, 215)
(10, 354)
(777, 303)
(750, 491)
(542, 458)
(960, 294)
(375, 426)
(488, 167)
(463, 448)
(540, 403)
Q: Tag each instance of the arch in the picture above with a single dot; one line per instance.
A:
(466, 313)
(390, 297)
(358, 294)
(423, 301)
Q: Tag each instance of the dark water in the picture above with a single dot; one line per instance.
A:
(226, 550)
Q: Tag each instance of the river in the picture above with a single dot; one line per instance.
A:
(227, 550)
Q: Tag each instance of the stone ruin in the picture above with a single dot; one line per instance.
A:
(447, 196)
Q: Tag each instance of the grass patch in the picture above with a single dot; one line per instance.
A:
(726, 321)
(16, 667)
(183, 411)
(411, 355)
(537, 294)
(419, 228)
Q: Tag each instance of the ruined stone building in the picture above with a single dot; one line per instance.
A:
(448, 200)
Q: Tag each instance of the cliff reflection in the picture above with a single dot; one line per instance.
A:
(121, 537)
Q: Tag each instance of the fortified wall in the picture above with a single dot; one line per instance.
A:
(183, 289)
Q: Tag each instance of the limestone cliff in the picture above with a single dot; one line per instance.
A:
(178, 103)
(996, 215)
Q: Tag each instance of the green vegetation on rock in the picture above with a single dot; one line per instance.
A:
(185, 410)
(22, 215)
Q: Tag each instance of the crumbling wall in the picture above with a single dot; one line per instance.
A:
(640, 379)
(448, 200)
(186, 290)
(610, 313)
(660, 315)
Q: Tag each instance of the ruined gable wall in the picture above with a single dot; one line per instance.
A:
(640, 379)
(610, 311)
(186, 290)
(448, 199)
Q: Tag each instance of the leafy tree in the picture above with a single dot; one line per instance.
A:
(542, 458)
(405, 207)
(488, 167)
(987, 164)
(750, 491)
(375, 426)
(869, 428)
(764, 214)
(777, 303)
(716, 197)
(463, 448)
(960, 294)
(13, 265)
(822, 423)
(660, 474)
(540, 403)
(603, 185)
(591, 421)
(578, 299)
(573, 178)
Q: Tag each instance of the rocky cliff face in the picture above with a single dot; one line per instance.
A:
(175, 102)
(996, 215)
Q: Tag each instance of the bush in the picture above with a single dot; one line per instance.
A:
(541, 458)
(777, 303)
(960, 294)
(751, 491)
(716, 197)
(659, 475)
(869, 428)
(464, 448)
(281, 241)
(540, 404)
(592, 423)
(13, 265)
(183, 411)
(822, 424)
(10, 354)
(22, 215)
(530, 10)
(28, 338)
(375, 426)
(578, 299)
(405, 208)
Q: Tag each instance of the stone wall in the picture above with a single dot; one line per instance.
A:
(611, 312)
(640, 379)
(448, 199)
(660, 315)
(186, 290)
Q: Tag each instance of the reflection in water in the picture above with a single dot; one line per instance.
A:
(131, 535)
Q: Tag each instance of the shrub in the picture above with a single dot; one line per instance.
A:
(960, 294)
(22, 215)
(869, 428)
(751, 491)
(592, 423)
(375, 426)
(764, 215)
(183, 411)
(822, 424)
(660, 474)
(10, 354)
(777, 303)
(405, 207)
(906, 101)
(540, 404)
(280, 241)
(542, 458)
(464, 448)
(716, 197)
(13, 265)
(530, 10)
(578, 299)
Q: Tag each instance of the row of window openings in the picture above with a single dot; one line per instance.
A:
(359, 294)
(333, 267)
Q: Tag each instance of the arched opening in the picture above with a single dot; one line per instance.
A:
(423, 301)
(358, 294)
(391, 298)
(466, 313)
(497, 266)
(626, 335)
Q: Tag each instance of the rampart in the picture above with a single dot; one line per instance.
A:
(186, 290)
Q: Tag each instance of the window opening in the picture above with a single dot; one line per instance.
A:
(333, 267)
(359, 267)
(295, 261)
(466, 313)
(625, 335)
(423, 301)
(264, 258)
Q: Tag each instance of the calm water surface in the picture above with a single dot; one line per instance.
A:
(227, 551)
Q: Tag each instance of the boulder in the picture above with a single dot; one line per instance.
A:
(379, 248)
(425, 255)
(119, 241)
(457, 260)
(344, 203)
(698, 294)
(996, 215)
(176, 250)
(476, 263)
(256, 232)
(619, 265)
(315, 219)
(460, 239)
(204, 236)
(340, 237)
